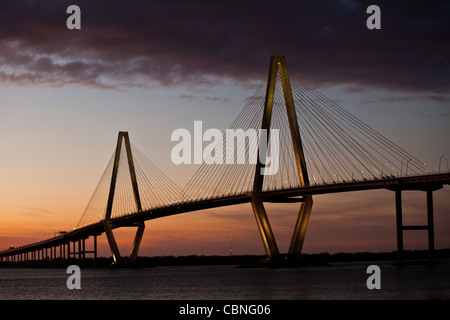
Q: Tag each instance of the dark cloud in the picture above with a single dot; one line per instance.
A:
(179, 42)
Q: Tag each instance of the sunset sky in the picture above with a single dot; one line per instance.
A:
(150, 67)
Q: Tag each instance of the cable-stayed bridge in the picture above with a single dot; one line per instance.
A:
(320, 148)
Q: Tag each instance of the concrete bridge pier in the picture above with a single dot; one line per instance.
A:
(430, 220)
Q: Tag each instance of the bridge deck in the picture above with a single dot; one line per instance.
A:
(427, 182)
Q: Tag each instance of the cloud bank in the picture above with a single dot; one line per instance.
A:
(138, 43)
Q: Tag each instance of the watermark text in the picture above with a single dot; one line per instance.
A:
(236, 146)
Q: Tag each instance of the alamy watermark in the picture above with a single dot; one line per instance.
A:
(374, 20)
(236, 146)
(374, 280)
(74, 280)
(73, 22)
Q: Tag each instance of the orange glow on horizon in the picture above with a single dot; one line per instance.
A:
(359, 221)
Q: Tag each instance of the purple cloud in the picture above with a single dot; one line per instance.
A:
(177, 42)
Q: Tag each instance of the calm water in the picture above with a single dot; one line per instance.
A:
(339, 281)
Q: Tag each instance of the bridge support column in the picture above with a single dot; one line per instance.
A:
(95, 251)
(295, 249)
(112, 242)
(430, 224)
(400, 227)
(399, 222)
(137, 241)
(265, 230)
(278, 65)
(68, 250)
(123, 138)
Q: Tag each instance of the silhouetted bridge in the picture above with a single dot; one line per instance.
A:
(322, 149)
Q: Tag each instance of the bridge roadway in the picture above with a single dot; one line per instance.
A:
(425, 183)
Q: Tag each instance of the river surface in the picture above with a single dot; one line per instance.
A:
(343, 281)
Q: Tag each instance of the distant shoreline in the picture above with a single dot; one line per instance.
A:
(317, 259)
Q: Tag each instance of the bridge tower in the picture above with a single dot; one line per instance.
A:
(278, 64)
(108, 225)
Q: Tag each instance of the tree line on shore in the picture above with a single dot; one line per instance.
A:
(317, 259)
